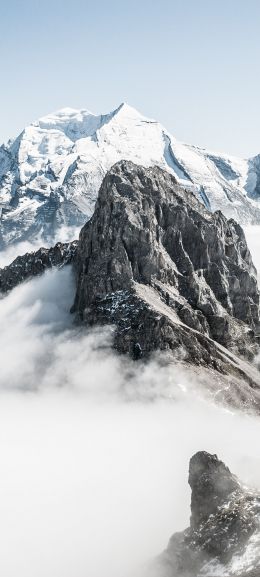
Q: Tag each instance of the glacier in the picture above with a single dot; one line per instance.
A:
(51, 173)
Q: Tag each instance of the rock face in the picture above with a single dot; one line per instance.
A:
(225, 520)
(35, 263)
(211, 483)
(168, 274)
(153, 261)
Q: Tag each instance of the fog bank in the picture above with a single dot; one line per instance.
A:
(94, 452)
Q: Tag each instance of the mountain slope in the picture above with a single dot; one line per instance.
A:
(223, 537)
(168, 275)
(146, 233)
(50, 175)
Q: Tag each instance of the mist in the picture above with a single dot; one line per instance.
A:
(63, 234)
(253, 240)
(94, 449)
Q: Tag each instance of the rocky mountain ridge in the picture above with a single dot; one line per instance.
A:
(146, 241)
(50, 175)
(168, 275)
(224, 534)
(33, 264)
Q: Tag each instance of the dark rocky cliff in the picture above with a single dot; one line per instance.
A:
(153, 260)
(225, 518)
(167, 274)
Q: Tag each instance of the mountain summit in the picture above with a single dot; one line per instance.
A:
(51, 173)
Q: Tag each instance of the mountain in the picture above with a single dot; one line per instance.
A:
(147, 240)
(50, 175)
(168, 275)
(223, 538)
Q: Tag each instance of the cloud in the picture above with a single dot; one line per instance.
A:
(11, 252)
(94, 449)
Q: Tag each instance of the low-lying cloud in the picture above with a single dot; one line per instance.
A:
(93, 451)
(64, 234)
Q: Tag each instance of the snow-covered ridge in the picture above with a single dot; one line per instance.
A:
(50, 175)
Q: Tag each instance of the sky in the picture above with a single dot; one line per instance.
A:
(192, 65)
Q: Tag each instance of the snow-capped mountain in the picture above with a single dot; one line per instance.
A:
(50, 175)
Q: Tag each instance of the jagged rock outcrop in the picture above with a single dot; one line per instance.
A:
(152, 260)
(225, 520)
(168, 274)
(35, 263)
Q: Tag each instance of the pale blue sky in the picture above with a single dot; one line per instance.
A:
(192, 64)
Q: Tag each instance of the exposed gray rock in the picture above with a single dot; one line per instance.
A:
(225, 516)
(168, 274)
(153, 260)
(35, 263)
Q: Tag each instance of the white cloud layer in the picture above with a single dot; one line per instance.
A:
(93, 453)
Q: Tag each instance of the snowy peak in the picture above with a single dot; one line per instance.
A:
(73, 123)
(76, 124)
(64, 114)
(127, 111)
(50, 175)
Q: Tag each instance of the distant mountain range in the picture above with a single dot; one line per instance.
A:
(51, 173)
